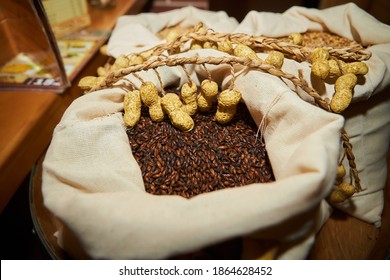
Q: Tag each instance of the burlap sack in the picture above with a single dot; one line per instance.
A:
(92, 183)
(368, 118)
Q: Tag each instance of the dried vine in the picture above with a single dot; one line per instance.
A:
(115, 76)
(351, 159)
(326, 61)
(352, 52)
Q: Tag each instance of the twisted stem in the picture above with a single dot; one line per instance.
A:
(260, 43)
(115, 76)
(351, 159)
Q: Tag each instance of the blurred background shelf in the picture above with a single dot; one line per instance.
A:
(27, 119)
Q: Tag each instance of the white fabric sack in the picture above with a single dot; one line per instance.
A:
(368, 117)
(92, 183)
(133, 34)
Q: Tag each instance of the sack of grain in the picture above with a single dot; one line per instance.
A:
(93, 183)
(366, 120)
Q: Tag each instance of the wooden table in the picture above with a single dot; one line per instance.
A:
(27, 119)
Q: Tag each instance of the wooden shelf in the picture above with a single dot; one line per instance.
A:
(27, 118)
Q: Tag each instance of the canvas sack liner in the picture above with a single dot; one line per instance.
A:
(89, 169)
(367, 118)
(126, 37)
(92, 183)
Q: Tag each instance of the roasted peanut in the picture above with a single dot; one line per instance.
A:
(323, 67)
(244, 51)
(121, 62)
(209, 45)
(320, 68)
(189, 93)
(132, 108)
(340, 171)
(172, 105)
(146, 54)
(227, 105)
(343, 92)
(225, 46)
(172, 35)
(88, 82)
(296, 38)
(196, 45)
(319, 54)
(135, 59)
(337, 196)
(208, 93)
(149, 96)
(102, 71)
(275, 58)
(342, 193)
(103, 49)
(357, 68)
(347, 189)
